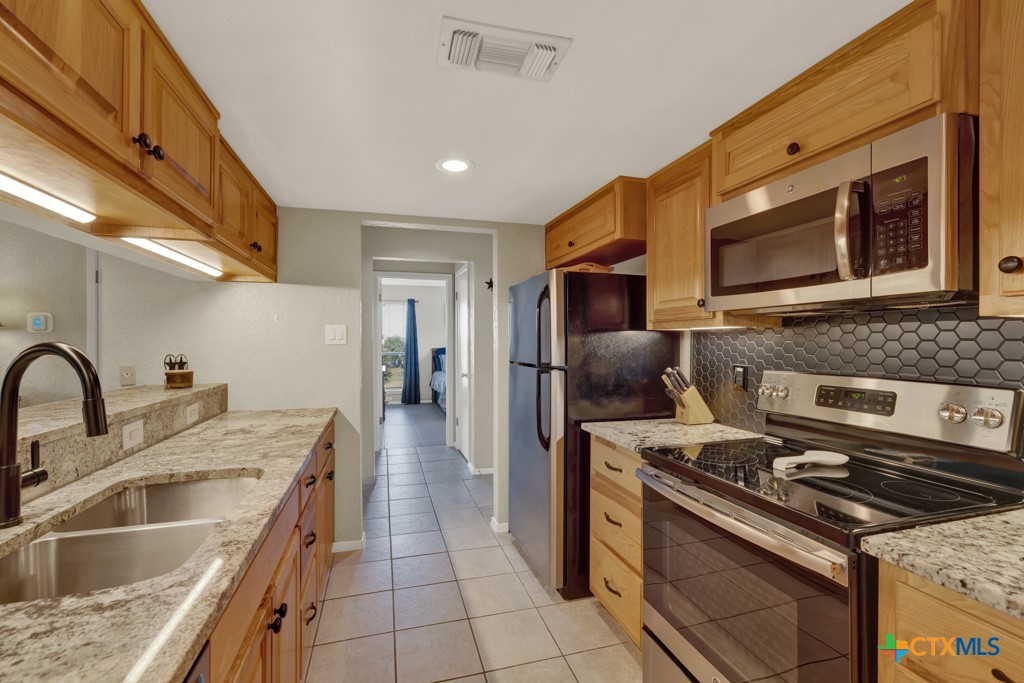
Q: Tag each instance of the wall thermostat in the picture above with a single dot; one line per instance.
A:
(40, 322)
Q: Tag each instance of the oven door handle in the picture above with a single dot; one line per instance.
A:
(842, 227)
(821, 560)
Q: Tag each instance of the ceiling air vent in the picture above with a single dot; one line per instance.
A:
(471, 45)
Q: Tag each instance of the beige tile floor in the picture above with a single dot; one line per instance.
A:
(437, 596)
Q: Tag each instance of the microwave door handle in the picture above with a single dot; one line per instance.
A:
(824, 562)
(842, 226)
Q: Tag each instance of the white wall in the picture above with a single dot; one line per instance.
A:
(431, 327)
(39, 273)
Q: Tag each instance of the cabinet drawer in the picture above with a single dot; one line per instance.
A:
(308, 534)
(882, 85)
(618, 467)
(615, 519)
(307, 482)
(617, 587)
(325, 448)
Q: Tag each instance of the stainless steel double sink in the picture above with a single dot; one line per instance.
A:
(135, 534)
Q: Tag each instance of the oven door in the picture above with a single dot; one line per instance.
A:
(737, 597)
(793, 243)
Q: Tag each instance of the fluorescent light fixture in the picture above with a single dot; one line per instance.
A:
(453, 165)
(161, 250)
(48, 202)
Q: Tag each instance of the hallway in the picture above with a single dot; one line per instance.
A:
(436, 595)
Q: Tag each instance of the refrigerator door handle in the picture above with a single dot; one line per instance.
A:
(545, 440)
(545, 295)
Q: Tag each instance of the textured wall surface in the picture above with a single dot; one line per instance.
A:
(39, 273)
(950, 345)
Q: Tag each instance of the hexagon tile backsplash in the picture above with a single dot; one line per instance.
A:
(949, 345)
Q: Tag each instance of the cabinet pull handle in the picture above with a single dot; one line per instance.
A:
(330, 476)
(1010, 264)
(311, 480)
(329, 446)
(571, 244)
(253, 245)
(157, 153)
(144, 141)
(310, 538)
(612, 467)
(793, 148)
(608, 518)
(312, 606)
(282, 611)
(611, 590)
(275, 625)
(700, 303)
(1000, 676)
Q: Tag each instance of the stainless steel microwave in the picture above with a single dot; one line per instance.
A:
(890, 224)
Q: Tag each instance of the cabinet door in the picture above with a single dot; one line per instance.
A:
(265, 230)
(234, 201)
(254, 656)
(1001, 179)
(676, 201)
(81, 59)
(286, 644)
(323, 547)
(181, 121)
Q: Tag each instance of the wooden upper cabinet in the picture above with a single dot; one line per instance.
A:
(81, 60)
(235, 201)
(182, 122)
(1001, 177)
(677, 197)
(919, 62)
(264, 232)
(607, 227)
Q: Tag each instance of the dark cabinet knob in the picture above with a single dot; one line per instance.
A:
(571, 244)
(259, 248)
(330, 476)
(1010, 264)
(310, 538)
(311, 480)
(253, 245)
(700, 302)
(144, 141)
(275, 625)
(793, 148)
(157, 153)
(282, 611)
(330, 446)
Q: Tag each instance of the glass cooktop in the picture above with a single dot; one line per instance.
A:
(855, 494)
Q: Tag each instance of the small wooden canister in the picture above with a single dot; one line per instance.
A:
(178, 379)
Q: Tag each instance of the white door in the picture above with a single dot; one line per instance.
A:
(462, 352)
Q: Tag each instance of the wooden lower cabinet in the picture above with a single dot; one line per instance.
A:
(616, 542)
(917, 611)
(265, 634)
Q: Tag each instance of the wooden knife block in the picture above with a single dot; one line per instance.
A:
(695, 410)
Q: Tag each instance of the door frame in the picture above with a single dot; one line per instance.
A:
(471, 354)
(449, 325)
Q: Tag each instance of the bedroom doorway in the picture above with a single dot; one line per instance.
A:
(412, 333)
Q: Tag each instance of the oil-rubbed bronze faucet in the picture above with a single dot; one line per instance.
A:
(94, 413)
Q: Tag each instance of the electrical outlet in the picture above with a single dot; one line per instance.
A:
(127, 373)
(192, 413)
(740, 376)
(132, 435)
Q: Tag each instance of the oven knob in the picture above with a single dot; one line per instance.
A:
(952, 412)
(989, 418)
(764, 390)
(782, 392)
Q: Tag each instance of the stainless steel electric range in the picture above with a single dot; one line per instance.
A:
(752, 569)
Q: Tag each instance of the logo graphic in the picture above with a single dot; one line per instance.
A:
(897, 648)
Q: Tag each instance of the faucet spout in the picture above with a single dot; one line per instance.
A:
(94, 414)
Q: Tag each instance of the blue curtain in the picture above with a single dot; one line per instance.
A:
(411, 379)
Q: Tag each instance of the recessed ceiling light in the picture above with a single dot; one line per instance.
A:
(453, 165)
(47, 201)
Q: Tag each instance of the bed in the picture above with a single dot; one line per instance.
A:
(439, 377)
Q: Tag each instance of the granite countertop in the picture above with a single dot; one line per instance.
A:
(48, 422)
(981, 557)
(639, 434)
(153, 630)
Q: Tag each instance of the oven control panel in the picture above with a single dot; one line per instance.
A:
(860, 400)
(900, 197)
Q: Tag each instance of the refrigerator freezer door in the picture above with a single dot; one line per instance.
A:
(532, 517)
(525, 299)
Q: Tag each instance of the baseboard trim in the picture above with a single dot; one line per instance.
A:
(346, 546)
(484, 470)
(498, 527)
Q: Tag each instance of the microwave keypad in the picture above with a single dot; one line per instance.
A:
(901, 218)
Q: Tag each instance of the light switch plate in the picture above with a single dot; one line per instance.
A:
(192, 413)
(132, 435)
(335, 334)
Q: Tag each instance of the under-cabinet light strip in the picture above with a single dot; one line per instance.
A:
(161, 250)
(47, 201)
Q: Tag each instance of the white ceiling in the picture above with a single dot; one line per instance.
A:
(339, 104)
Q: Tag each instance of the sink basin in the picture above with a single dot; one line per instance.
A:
(79, 562)
(136, 534)
(159, 503)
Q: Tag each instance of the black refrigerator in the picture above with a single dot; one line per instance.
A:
(579, 352)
